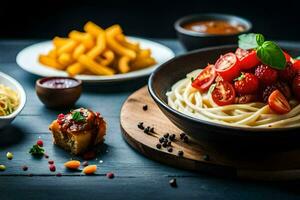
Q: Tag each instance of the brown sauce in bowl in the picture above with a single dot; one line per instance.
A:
(214, 27)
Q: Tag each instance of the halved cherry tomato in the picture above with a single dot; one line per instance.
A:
(296, 65)
(287, 56)
(278, 102)
(228, 66)
(223, 93)
(247, 58)
(205, 78)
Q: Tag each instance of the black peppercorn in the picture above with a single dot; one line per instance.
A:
(161, 140)
(170, 149)
(173, 182)
(145, 107)
(166, 135)
(169, 143)
(182, 135)
(158, 145)
(172, 137)
(152, 130)
(147, 130)
(141, 125)
(185, 139)
(180, 153)
(165, 144)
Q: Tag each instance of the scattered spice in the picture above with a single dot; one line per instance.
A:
(141, 125)
(180, 153)
(170, 149)
(165, 144)
(72, 164)
(182, 135)
(206, 157)
(173, 182)
(9, 155)
(2, 168)
(52, 168)
(58, 174)
(37, 150)
(51, 162)
(158, 145)
(152, 130)
(85, 163)
(110, 175)
(147, 130)
(166, 135)
(169, 143)
(40, 143)
(46, 155)
(161, 140)
(90, 169)
(172, 137)
(185, 139)
(145, 107)
(25, 168)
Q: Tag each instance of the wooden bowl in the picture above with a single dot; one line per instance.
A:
(213, 133)
(58, 97)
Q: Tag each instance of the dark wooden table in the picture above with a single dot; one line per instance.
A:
(136, 176)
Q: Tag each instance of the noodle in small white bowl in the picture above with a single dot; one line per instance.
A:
(16, 86)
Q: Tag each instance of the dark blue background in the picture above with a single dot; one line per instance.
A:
(43, 19)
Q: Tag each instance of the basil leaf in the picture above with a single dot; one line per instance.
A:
(76, 116)
(248, 41)
(271, 54)
(260, 39)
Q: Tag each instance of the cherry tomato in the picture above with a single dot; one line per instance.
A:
(296, 87)
(247, 58)
(228, 66)
(223, 93)
(287, 56)
(296, 65)
(205, 79)
(278, 102)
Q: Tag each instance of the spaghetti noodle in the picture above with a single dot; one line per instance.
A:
(188, 100)
(9, 100)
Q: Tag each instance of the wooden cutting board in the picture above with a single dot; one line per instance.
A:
(270, 166)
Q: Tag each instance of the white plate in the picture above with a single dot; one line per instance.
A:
(28, 60)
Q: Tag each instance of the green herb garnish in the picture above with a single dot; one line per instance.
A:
(268, 52)
(76, 116)
(37, 150)
(192, 79)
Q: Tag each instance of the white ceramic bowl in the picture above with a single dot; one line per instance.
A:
(15, 85)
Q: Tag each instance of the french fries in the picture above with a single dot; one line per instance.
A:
(96, 51)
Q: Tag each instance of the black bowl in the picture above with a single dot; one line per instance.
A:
(194, 40)
(210, 133)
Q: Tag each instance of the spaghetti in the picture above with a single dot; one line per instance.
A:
(188, 100)
(9, 100)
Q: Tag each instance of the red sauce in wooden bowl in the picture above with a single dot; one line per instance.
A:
(59, 83)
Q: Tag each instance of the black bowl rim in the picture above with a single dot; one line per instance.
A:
(196, 120)
(180, 29)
